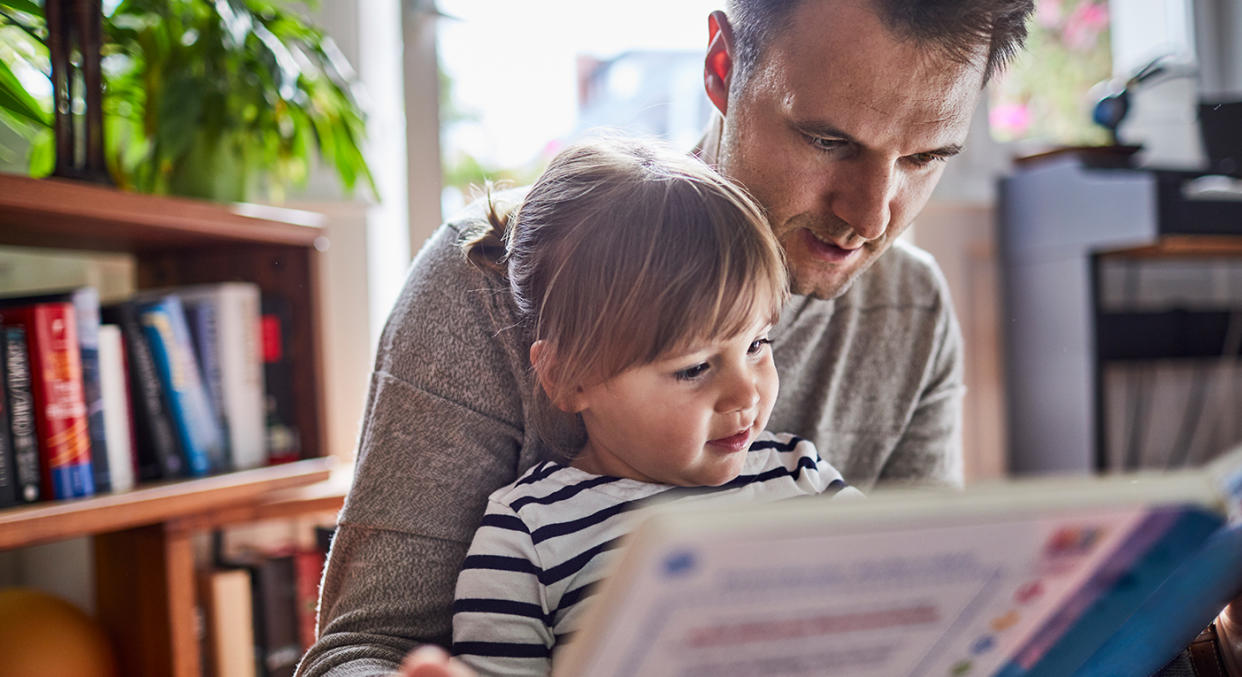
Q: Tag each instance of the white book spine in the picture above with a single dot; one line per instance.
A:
(238, 314)
(242, 366)
(115, 395)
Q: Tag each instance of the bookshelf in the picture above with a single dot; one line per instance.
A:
(1076, 233)
(143, 555)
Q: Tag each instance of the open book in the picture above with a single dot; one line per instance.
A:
(1056, 577)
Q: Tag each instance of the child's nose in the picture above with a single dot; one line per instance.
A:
(739, 393)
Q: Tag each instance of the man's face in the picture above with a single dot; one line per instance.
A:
(841, 131)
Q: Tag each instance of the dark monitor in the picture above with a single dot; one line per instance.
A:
(1220, 123)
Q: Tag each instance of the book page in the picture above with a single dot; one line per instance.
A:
(953, 599)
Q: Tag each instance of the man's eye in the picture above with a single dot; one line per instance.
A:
(822, 143)
(691, 373)
(758, 345)
(924, 159)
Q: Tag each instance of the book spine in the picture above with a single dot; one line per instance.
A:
(242, 367)
(86, 312)
(8, 473)
(283, 443)
(275, 608)
(60, 409)
(309, 563)
(116, 407)
(158, 451)
(168, 335)
(229, 623)
(20, 409)
(203, 320)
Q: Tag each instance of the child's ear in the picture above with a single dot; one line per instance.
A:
(541, 359)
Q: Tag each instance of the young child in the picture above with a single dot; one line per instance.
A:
(650, 284)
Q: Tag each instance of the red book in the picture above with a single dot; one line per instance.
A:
(309, 568)
(60, 404)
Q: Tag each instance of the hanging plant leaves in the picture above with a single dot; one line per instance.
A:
(212, 97)
(17, 101)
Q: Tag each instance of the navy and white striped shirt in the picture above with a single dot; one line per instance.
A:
(546, 539)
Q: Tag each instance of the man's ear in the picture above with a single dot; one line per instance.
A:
(718, 66)
(541, 358)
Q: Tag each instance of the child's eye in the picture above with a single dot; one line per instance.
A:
(758, 345)
(691, 373)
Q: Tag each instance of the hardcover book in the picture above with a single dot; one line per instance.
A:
(198, 429)
(229, 620)
(1049, 578)
(60, 407)
(117, 411)
(8, 472)
(19, 403)
(155, 443)
(85, 302)
(225, 321)
(284, 444)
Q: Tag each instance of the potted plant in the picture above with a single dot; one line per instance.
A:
(203, 98)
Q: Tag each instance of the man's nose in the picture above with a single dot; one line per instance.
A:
(738, 392)
(863, 195)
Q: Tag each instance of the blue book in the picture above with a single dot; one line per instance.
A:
(204, 328)
(172, 349)
(1072, 577)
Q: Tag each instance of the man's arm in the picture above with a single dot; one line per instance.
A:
(442, 429)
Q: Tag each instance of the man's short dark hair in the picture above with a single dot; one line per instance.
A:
(957, 28)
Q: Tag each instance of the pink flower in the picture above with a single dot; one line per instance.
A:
(1048, 13)
(1011, 118)
(1084, 26)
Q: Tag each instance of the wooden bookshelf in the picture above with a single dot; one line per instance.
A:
(144, 563)
(154, 503)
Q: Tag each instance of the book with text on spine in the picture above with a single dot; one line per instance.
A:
(9, 487)
(198, 428)
(156, 447)
(60, 407)
(20, 409)
(1061, 577)
(225, 321)
(85, 302)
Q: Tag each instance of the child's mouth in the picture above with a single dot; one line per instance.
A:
(735, 442)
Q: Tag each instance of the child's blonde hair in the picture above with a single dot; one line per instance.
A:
(625, 251)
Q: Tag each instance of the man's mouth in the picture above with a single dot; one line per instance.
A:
(827, 251)
(735, 442)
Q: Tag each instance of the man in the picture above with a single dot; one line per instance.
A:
(838, 115)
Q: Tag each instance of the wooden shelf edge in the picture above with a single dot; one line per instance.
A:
(43, 212)
(326, 496)
(1182, 245)
(153, 504)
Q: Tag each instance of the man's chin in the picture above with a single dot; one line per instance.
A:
(820, 285)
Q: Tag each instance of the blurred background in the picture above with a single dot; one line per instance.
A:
(458, 92)
(1091, 233)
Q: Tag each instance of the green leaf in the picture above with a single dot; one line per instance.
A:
(15, 99)
(22, 6)
(43, 154)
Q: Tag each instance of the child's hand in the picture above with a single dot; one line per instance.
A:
(432, 661)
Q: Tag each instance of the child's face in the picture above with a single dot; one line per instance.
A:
(685, 420)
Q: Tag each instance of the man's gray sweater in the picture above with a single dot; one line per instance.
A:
(873, 378)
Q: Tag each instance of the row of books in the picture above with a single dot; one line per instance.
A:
(258, 607)
(182, 382)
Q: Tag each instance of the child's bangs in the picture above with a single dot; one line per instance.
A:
(720, 299)
(716, 266)
(664, 263)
